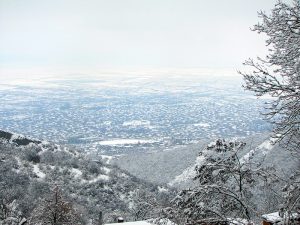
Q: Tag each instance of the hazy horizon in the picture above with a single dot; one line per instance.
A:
(95, 35)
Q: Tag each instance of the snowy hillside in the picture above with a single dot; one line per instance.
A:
(175, 166)
(34, 167)
(260, 151)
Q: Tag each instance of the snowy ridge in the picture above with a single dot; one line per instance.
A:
(17, 139)
(263, 149)
(187, 175)
(21, 140)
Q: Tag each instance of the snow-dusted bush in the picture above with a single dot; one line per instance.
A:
(224, 187)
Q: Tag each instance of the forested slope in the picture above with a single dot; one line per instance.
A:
(30, 170)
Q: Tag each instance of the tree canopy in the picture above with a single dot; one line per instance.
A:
(278, 74)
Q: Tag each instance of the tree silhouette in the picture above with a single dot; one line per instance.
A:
(55, 211)
(278, 74)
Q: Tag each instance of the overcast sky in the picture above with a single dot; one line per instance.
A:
(129, 33)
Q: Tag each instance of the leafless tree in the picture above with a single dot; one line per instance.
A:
(144, 205)
(55, 211)
(278, 74)
(224, 187)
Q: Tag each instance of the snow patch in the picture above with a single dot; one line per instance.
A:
(106, 170)
(118, 142)
(264, 148)
(38, 172)
(16, 136)
(238, 221)
(162, 189)
(19, 117)
(275, 218)
(267, 145)
(132, 223)
(164, 221)
(187, 174)
(248, 156)
(137, 123)
(99, 177)
(76, 172)
(107, 158)
(204, 125)
(272, 217)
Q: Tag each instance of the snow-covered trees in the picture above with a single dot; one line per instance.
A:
(224, 186)
(144, 205)
(291, 194)
(55, 211)
(10, 214)
(278, 74)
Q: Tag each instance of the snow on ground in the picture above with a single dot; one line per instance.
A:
(18, 161)
(106, 170)
(19, 117)
(122, 196)
(16, 136)
(267, 145)
(19, 164)
(248, 156)
(272, 217)
(164, 221)
(201, 125)
(275, 218)
(162, 189)
(117, 142)
(133, 223)
(238, 221)
(137, 123)
(187, 174)
(99, 177)
(124, 175)
(107, 158)
(264, 148)
(77, 173)
(38, 172)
